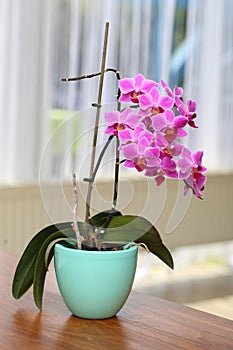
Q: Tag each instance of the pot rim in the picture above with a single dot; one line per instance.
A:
(68, 250)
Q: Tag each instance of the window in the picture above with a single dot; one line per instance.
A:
(183, 42)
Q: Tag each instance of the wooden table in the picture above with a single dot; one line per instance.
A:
(145, 322)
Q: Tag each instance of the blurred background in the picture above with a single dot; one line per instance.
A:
(43, 124)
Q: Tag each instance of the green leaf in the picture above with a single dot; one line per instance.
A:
(51, 245)
(41, 269)
(23, 277)
(128, 228)
(99, 219)
(160, 250)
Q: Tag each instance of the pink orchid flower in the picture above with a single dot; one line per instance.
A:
(153, 103)
(169, 125)
(177, 92)
(149, 134)
(138, 152)
(166, 168)
(120, 120)
(191, 171)
(189, 111)
(171, 149)
(132, 88)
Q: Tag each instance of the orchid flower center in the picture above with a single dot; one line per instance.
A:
(157, 110)
(134, 96)
(171, 130)
(167, 151)
(120, 127)
(141, 160)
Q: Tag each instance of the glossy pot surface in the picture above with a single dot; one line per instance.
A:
(95, 284)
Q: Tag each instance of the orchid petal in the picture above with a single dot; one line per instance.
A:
(138, 81)
(127, 85)
(184, 164)
(159, 121)
(182, 133)
(125, 98)
(130, 151)
(147, 85)
(186, 153)
(112, 117)
(144, 112)
(184, 175)
(154, 92)
(132, 119)
(137, 132)
(151, 171)
(178, 147)
(166, 88)
(172, 174)
(152, 152)
(129, 164)
(145, 101)
(161, 141)
(125, 135)
(178, 91)
(110, 130)
(180, 106)
(169, 164)
(192, 124)
(170, 137)
(200, 179)
(166, 102)
(159, 180)
(169, 115)
(143, 142)
(180, 121)
(191, 106)
(124, 113)
(197, 157)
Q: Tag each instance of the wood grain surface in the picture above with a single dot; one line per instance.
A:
(145, 322)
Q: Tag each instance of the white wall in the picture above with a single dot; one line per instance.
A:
(23, 212)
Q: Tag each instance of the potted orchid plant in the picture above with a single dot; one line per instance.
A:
(100, 253)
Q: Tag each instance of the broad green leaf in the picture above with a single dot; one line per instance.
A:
(160, 250)
(51, 245)
(23, 277)
(40, 267)
(128, 228)
(99, 219)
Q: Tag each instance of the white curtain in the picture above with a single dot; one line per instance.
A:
(44, 40)
(209, 72)
(23, 72)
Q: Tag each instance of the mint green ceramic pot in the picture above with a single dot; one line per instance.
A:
(95, 284)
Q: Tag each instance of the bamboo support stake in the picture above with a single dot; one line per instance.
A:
(99, 98)
(98, 107)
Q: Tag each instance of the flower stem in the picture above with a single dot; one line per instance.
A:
(91, 179)
(116, 179)
(75, 225)
(117, 156)
(88, 76)
(115, 189)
